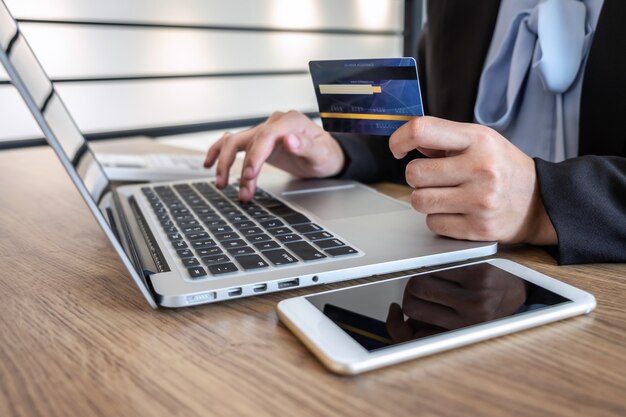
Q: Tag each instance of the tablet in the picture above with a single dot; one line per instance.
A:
(360, 328)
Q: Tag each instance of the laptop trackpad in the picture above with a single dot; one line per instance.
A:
(343, 202)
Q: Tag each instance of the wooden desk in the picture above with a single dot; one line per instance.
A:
(77, 338)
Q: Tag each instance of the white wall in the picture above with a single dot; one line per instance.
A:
(132, 64)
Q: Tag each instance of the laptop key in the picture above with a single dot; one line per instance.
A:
(243, 250)
(305, 251)
(179, 244)
(237, 218)
(280, 257)
(268, 224)
(189, 262)
(215, 259)
(226, 236)
(188, 223)
(258, 238)
(328, 243)
(215, 250)
(223, 268)
(230, 244)
(308, 228)
(184, 253)
(167, 223)
(220, 229)
(204, 211)
(214, 222)
(170, 229)
(295, 218)
(288, 238)
(270, 244)
(318, 235)
(197, 236)
(341, 251)
(260, 215)
(251, 231)
(196, 272)
(201, 244)
(247, 207)
(185, 220)
(244, 224)
(280, 231)
(182, 217)
(193, 229)
(249, 262)
(174, 236)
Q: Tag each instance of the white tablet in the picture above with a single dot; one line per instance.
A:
(364, 327)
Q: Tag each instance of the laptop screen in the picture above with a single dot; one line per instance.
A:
(61, 127)
(61, 132)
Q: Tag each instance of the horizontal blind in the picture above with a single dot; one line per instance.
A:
(136, 65)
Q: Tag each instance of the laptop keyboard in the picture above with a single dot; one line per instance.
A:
(213, 233)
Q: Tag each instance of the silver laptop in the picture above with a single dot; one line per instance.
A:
(187, 243)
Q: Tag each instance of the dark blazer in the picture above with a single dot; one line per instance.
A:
(585, 197)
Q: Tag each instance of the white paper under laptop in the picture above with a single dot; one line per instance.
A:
(153, 166)
(187, 243)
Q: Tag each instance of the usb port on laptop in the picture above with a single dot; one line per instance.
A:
(233, 292)
(289, 283)
(260, 288)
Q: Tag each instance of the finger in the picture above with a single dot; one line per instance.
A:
(247, 187)
(460, 226)
(214, 151)
(211, 155)
(452, 200)
(438, 172)
(257, 153)
(430, 133)
(261, 147)
(231, 144)
(268, 136)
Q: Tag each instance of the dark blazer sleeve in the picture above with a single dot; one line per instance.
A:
(585, 198)
(369, 159)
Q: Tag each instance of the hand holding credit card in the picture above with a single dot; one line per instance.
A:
(366, 96)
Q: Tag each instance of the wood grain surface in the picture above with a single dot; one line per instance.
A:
(77, 338)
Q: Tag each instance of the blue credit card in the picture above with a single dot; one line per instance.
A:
(366, 96)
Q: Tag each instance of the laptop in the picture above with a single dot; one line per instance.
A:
(187, 243)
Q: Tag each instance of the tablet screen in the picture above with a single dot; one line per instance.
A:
(401, 310)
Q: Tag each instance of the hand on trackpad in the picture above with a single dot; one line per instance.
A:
(343, 202)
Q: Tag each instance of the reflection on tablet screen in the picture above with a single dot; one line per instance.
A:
(412, 308)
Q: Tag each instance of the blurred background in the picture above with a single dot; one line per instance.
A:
(158, 67)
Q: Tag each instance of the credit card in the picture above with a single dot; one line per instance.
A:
(366, 96)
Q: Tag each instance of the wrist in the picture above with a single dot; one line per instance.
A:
(338, 159)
